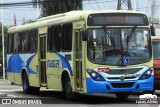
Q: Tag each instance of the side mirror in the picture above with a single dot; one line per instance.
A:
(153, 33)
(84, 35)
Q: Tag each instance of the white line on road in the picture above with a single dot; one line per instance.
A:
(10, 95)
(3, 90)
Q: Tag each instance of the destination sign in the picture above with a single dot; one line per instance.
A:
(119, 19)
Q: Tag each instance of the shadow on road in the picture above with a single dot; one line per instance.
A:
(59, 98)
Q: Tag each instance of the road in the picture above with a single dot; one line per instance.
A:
(8, 91)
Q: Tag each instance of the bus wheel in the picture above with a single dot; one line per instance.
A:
(68, 89)
(122, 96)
(25, 84)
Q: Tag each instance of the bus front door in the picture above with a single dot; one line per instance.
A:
(78, 60)
(42, 59)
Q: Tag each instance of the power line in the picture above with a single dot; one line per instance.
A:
(34, 3)
(11, 19)
(109, 4)
(84, 8)
(90, 5)
(26, 3)
(22, 4)
(17, 4)
(98, 4)
(85, 2)
(8, 8)
(104, 4)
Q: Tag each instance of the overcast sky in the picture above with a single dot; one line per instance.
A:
(28, 12)
(21, 13)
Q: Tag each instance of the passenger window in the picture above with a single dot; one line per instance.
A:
(54, 38)
(25, 37)
(33, 41)
(10, 44)
(16, 43)
(67, 37)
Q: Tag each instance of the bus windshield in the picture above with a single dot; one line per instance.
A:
(112, 46)
(156, 50)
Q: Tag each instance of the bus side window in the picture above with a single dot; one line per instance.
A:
(54, 38)
(33, 41)
(67, 37)
(51, 42)
(10, 44)
(57, 37)
(24, 47)
(16, 43)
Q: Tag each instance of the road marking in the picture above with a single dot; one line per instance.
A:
(10, 95)
(4, 81)
(13, 90)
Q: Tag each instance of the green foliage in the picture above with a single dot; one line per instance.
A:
(28, 21)
(153, 20)
(51, 7)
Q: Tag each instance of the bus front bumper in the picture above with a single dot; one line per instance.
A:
(119, 86)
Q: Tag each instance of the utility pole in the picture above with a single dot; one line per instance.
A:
(3, 65)
(137, 5)
(37, 9)
(125, 3)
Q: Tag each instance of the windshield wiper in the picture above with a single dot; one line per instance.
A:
(129, 37)
(112, 40)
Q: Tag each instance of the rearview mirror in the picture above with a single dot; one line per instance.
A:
(84, 35)
(152, 30)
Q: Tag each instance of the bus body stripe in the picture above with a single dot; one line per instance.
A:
(15, 64)
(65, 64)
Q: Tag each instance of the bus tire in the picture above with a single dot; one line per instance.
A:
(25, 84)
(68, 89)
(122, 96)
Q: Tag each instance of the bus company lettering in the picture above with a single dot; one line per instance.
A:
(53, 64)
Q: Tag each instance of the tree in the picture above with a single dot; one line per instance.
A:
(51, 7)
(27, 21)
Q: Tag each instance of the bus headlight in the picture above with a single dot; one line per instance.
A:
(146, 74)
(95, 75)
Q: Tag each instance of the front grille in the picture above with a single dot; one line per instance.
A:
(115, 78)
(123, 71)
(122, 85)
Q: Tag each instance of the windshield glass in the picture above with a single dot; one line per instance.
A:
(119, 46)
(156, 50)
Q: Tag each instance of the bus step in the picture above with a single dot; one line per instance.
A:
(80, 89)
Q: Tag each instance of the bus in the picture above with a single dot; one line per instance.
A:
(83, 52)
(156, 60)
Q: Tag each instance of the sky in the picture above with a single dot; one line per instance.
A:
(21, 13)
(28, 12)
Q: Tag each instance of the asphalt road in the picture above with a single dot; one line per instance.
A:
(56, 99)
